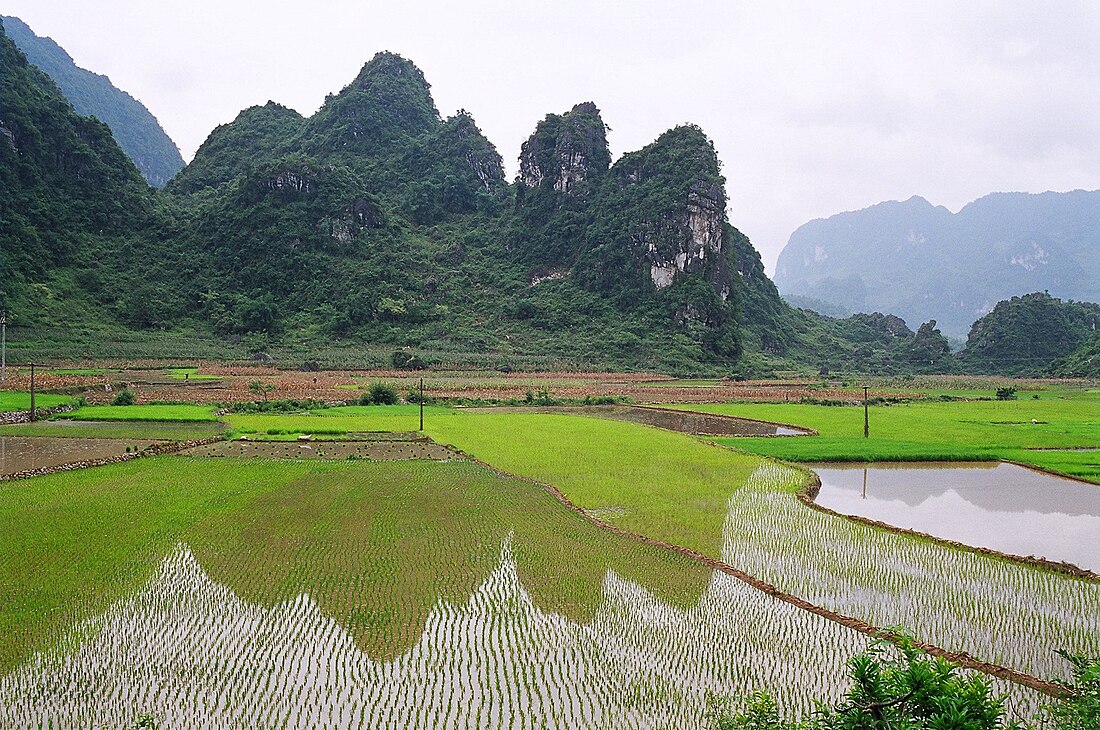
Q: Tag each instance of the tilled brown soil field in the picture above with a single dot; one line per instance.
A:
(220, 383)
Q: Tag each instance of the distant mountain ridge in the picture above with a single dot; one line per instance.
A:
(134, 127)
(922, 262)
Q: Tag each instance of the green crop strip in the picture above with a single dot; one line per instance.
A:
(179, 413)
(11, 400)
(943, 431)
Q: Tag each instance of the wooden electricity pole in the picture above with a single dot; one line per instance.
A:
(32, 392)
(866, 423)
(422, 404)
(3, 348)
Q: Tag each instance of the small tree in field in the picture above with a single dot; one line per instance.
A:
(261, 388)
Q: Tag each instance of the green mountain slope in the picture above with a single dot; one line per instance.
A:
(135, 129)
(378, 222)
(1025, 335)
(75, 210)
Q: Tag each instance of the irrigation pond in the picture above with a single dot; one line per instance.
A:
(1003, 507)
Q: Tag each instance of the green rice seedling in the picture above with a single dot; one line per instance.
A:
(176, 412)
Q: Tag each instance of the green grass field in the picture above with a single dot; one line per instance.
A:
(20, 401)
(176, 413)
(937, 431)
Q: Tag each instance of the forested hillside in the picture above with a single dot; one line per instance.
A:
(1025, 335)
(135, 129)
(378, 221)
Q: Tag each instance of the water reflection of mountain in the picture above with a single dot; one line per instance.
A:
(196, 655)
(993, 487)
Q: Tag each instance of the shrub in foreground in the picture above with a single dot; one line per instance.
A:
(898, 687)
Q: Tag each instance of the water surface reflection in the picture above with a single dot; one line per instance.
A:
(1004, 507)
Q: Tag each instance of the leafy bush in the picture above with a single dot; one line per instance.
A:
(379, 394)
(124, 397)
(899, 686)
(1080, 710)
(276, 406)
(404, 360)
(892, 687)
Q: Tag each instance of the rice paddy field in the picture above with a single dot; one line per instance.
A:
(335, 568)
(407, 594)
(1053, 428)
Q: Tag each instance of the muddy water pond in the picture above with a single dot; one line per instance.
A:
(23, 453)
(1003, 507)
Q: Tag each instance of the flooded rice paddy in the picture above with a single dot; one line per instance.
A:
(997, 610)
(23, 453)
(690, 422)
(417, 594)
(1004, 507)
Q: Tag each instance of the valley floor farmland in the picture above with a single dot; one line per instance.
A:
(398, 594)
(251, 590)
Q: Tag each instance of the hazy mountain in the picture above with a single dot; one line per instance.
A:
(922, 262)
(134, 127)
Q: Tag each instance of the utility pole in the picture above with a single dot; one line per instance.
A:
(3, 348)
(422, 404)
(866, 423)
(32, 392)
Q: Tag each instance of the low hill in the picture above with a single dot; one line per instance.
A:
(1025, 335)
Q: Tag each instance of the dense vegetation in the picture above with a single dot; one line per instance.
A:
(134, 128)
(900, 687)
(1025, 335)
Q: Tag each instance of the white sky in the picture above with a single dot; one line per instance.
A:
(815, 107)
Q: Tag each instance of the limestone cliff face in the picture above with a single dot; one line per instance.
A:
(680, 223)
(460, 138)
(690, 243)
(565, 150)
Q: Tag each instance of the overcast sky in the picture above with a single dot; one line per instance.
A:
(814, 107)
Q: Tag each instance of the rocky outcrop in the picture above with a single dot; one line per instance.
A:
(699, 241)
(685, 233)
(565, 150)
(460, 138)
